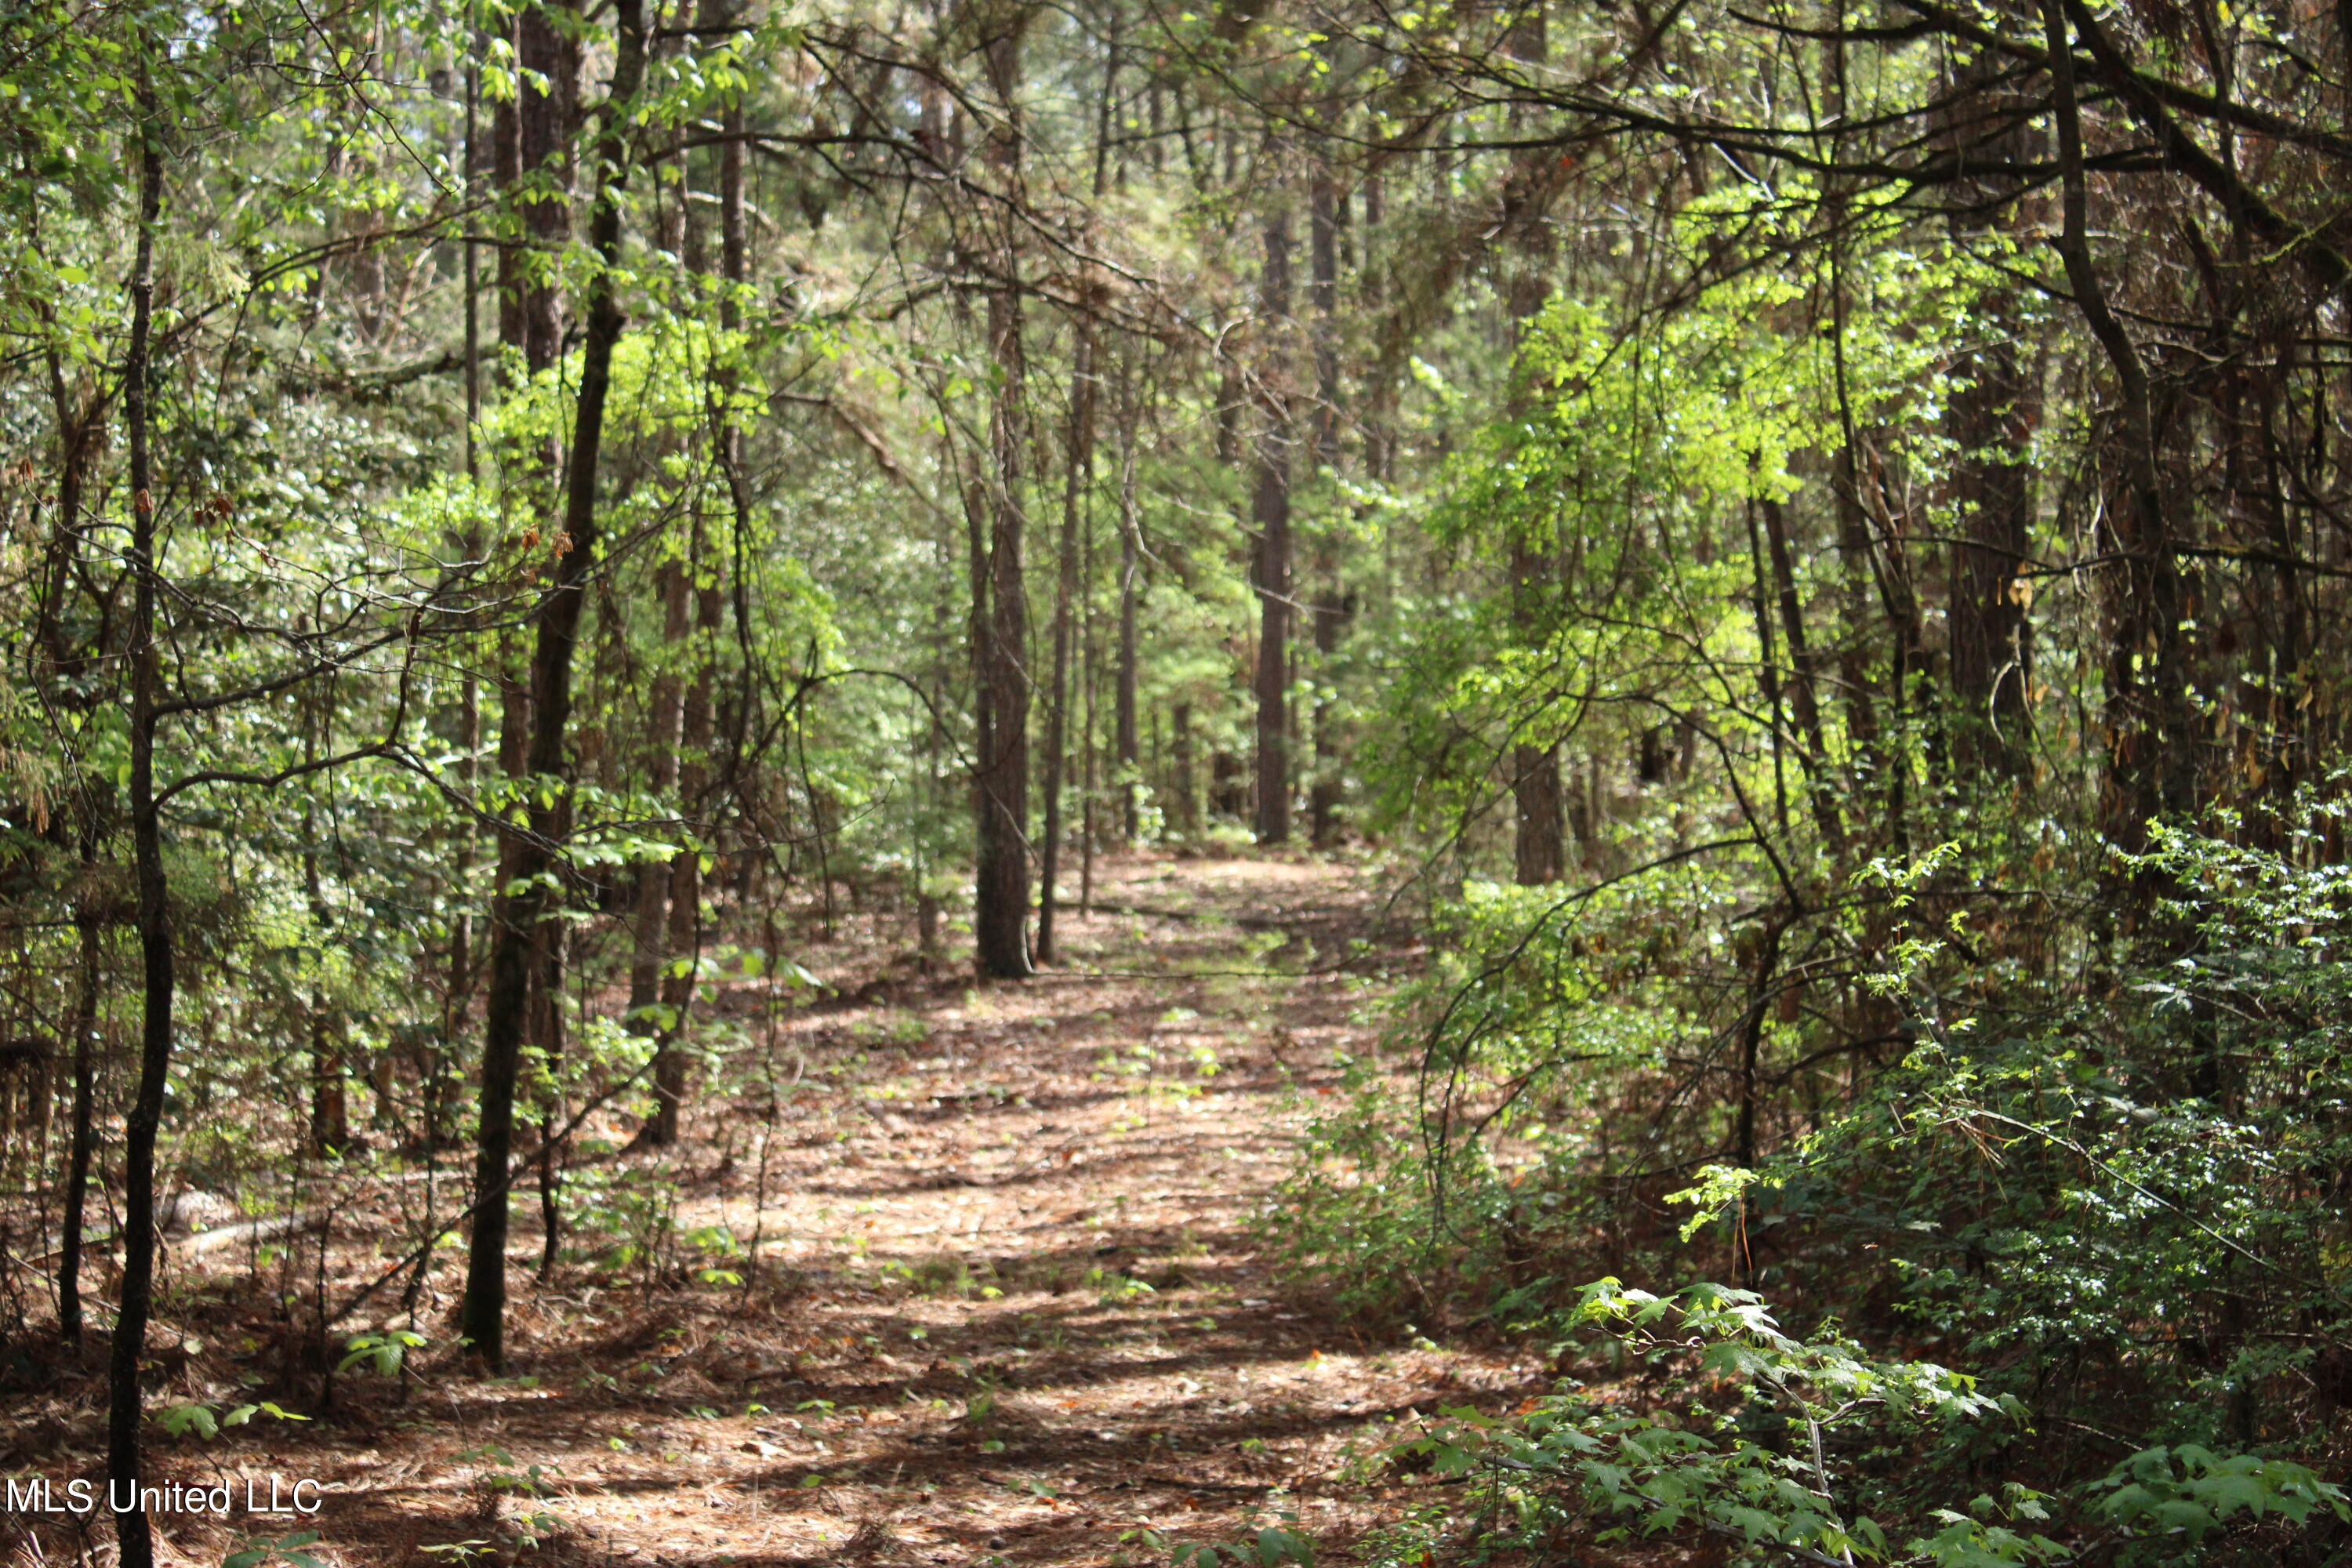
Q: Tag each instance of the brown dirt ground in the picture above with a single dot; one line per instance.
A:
(1004, 1302)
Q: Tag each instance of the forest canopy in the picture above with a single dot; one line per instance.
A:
(1801, 549)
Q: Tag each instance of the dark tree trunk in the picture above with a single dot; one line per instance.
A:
(1128, 674)
(1079, 460)
(1540, 836)
(1184, 786)
(1001, 675)
(81, 427)
(81, 1028)
(1271, 514)
(1380, 397)
(482, 1314)
(1539, 841)
(530, 133)
(135, 1545)
(2153, 761)
(546, 1031)
(331, 1130)
(1330, 613)
(457, 1003)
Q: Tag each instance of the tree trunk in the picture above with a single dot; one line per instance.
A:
(482, 1314)
(528, 132)
(135, 1544)
(1079, 458)
(1130, 574)
(81, 1026)
(1539, 841)
(1540, 836)
(1994, 405)
(1802, 697)
(686, 867)
(2153, 762)
(1000, 663)
(546, 1030)
(81, 427)
(695, 717)
(1271, 513)
(331, 1131)
(1184, 784)
(456, 1004)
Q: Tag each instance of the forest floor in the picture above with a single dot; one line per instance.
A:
(1009, 1300)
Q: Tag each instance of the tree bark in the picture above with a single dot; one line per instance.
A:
(1079, 460)
(1185, 794)
(696, 726)
(331, 1131)
(1990, 416)
(2153, 759)
(684, 941)
(1128, 675)
(1539, 840)
(1000, 674)
(134, 1544)
(482, 1313)
(530, 135)
(1540, 836)
(1271, 513)
(81, 1026)
(1330, 615)
(1803, 700)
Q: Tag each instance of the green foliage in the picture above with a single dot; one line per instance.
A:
(382, 1351)
(1802, 1446)
(261, 1552)
(206, 1423)
(1270, 1548)
(2170, 1500)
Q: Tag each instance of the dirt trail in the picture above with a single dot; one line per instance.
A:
(1009, 1304)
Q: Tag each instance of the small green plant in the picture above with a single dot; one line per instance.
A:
(180, 1420)
(1138, 1545)
(1114, 1289)
(261, 1550)
(1271, 1547)
(715, 1241)
(382, 1351)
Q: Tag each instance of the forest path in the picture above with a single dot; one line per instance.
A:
(1011, 1307)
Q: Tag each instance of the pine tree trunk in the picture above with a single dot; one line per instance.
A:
(1330, 610)
(1271, 513)
(1184, 793)
(1130, 584)
(1079, 458)
(1000, 676)
(530, 135)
